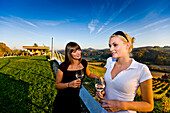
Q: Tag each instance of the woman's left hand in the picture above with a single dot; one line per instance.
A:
(112, 105)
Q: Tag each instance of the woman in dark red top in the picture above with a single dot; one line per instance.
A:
(67, 99)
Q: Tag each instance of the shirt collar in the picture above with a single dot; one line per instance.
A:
(133, 64)
(114, 59)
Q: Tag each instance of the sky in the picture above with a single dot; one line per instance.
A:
(90, 23)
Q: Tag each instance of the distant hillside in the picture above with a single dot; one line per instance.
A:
(157, 48)
(149, 55)
(4, 49)
(91, 49)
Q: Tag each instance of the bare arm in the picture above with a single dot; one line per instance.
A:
(146, 105)
(91, 75)
(60, 85)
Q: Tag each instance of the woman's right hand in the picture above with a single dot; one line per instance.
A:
(100, 94)
(75, 83)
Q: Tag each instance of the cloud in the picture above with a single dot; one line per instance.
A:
(163, 27)
(100, 29)
(3, 18)
(122, 22)
(116, 25)
(155, 23)
(145, 27)
(114, 15)
(138, 34)
(53, 23)
(15, 21)
(157, 9)
(152, 24)
(83, 29)
(155, 29)
(27, 22)
(92, 25)
(3, 22)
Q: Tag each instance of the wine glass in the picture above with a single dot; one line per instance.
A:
(79, 74)
(99, 85)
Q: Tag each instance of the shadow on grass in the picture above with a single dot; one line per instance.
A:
(14, 95)
(5, 64)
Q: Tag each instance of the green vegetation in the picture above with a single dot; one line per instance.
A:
(4, 49)
(161, 96)
(152, 56)
(27, 85)
(89, 83)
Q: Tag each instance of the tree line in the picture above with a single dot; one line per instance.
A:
(6, 51)
(144, 55)
(149, 55)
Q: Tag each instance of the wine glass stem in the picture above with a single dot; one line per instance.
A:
(100, 99)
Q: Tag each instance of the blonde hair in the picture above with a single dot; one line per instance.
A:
(125, 38)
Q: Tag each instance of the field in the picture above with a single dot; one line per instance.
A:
(160, 68)
(27, 85)
(161, 91)
(95, 63)
(157, 74)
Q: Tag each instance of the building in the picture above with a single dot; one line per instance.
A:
(36, 50)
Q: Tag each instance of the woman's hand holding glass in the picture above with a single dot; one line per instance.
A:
(100, 85)
(100, 94)
(75, 83)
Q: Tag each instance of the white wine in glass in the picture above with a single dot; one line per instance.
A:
(99, 85)
(79, 74)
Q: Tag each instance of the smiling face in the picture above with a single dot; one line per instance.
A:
(118, 48)
(72, 52)
(76, 54)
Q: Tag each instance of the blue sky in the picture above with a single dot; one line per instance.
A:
(87, 22)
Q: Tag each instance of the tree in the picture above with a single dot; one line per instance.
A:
(35, 45)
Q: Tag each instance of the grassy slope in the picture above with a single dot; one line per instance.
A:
(27, 85)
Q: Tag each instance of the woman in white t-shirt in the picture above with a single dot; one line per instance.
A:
(123, 77)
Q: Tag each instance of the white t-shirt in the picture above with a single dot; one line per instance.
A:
(124, 86)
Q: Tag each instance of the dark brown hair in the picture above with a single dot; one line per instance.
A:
(70, 47)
